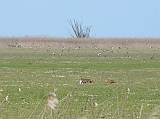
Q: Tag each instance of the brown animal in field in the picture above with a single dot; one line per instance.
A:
(82, 81)
(111, 81)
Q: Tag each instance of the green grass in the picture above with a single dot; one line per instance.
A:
(37, 73)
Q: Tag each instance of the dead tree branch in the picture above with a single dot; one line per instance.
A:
(78, 30)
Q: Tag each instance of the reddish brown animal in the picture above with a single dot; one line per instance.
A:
(111, 81)
(82, 81)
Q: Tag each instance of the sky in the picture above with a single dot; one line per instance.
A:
(107, 18)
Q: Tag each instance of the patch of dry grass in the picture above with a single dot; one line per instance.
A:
(102, 43)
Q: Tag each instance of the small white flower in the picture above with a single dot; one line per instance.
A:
(128, 91)
(6, 99)
(0, 92)
(19, 89)
(95, 104)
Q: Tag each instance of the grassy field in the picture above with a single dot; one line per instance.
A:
(37, 70)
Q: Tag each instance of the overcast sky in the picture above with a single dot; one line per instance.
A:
(108, 18)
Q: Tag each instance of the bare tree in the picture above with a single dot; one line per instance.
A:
(78, 30)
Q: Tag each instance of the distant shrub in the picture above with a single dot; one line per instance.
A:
(79, 30)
